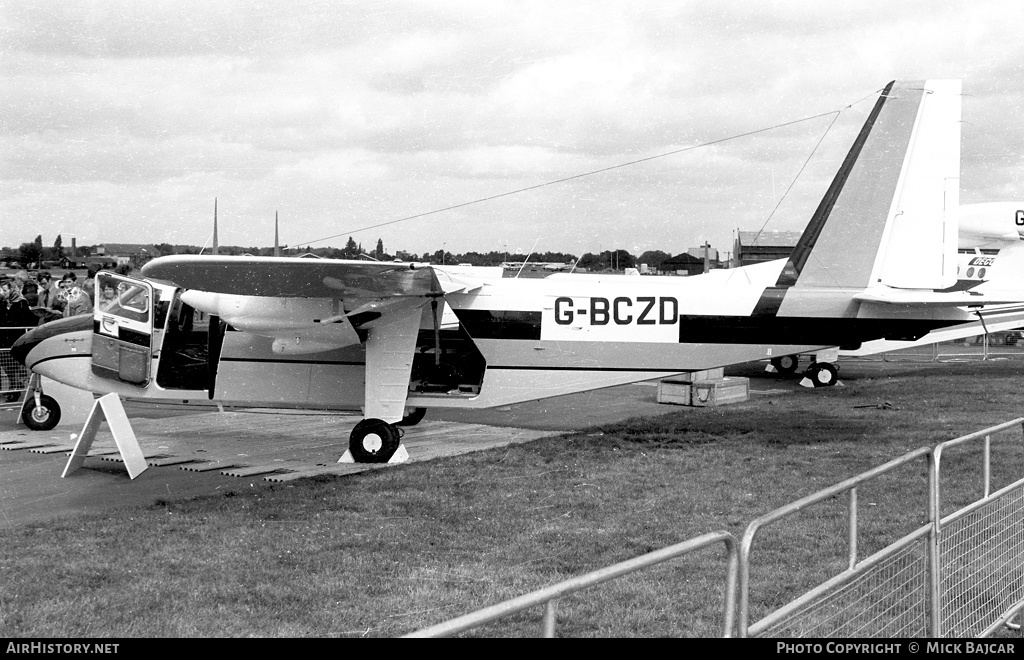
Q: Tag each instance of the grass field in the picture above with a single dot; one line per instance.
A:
(388, 552)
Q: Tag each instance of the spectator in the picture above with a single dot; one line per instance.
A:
(45, 293)
(108, 297)
(66, 283)
(14, 310)
(76, 301)
(29, 289)
(89, 284)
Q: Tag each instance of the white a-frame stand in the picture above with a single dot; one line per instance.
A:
(108, 407)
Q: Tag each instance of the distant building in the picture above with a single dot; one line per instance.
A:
(9, 256)
(691, 262)
(126, 253)
(699, 253)
(534, 268)
(753, 247)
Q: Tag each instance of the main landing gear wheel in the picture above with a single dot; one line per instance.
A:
(413, 418)
(786, 364)
(823, 374)
(42, 417)
(374, 441)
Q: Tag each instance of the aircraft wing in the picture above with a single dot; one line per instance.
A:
(277, 297)
(283, 277)
(298, 303)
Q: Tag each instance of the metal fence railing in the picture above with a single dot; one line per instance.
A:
(549, 595)
(1000, 345)
(884, 594)
(956, 574)
(980, 547)
(14, 377)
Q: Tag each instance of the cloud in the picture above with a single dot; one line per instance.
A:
(131, 117)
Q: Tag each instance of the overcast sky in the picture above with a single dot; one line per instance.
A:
(122, 121)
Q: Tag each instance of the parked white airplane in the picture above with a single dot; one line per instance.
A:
(877, 261)
(991, 248)
(991, 225)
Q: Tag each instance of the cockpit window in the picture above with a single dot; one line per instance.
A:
(123, 298)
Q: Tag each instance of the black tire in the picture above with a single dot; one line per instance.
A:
(824, 374)
(373, 441)
(413, 418)
(42, 417)
(786, 364)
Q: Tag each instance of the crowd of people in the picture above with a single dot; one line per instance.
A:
(26, 301)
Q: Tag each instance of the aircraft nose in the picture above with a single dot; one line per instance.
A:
(25, 343)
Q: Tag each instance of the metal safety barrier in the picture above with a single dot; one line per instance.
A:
(884, 594)
(549, 595)
(980, 548)
(14, 377)
(1001, 345)
(961, 575)
(958, 575)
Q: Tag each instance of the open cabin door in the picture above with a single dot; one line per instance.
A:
(122, 342)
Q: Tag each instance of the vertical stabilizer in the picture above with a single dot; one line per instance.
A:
(889, 215)
(920, 243)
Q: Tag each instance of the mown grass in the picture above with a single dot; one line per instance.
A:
(388, 552)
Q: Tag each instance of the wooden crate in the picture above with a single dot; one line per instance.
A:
(674, 390)
(719, 392)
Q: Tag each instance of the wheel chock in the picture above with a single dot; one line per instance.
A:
(807, 382)
(400, 456)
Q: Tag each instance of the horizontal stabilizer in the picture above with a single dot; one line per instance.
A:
(928, 298)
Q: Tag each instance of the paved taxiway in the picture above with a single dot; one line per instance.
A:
(236, 450)
(206, 452)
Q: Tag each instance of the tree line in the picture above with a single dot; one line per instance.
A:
(34, 253)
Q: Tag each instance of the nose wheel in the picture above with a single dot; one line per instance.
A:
(374, 441)
(40, 413)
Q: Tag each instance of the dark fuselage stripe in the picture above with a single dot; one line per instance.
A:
(652, 370)
(848, 333)
(279, 361)
(763, 326)
(59, 357)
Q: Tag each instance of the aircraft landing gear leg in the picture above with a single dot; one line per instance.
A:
(823, 374)
(374, 441)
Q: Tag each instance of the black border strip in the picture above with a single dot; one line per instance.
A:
(275, 361)
(58, 357)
